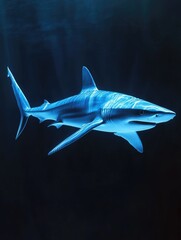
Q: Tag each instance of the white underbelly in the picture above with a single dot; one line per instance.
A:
(105, 127)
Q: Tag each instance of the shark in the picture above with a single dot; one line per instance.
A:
(93, 109)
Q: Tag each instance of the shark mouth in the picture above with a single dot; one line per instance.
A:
(143, 123)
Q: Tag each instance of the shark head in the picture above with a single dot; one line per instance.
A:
(152, 113)
(137, 115)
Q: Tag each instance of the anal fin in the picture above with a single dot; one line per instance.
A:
(57, 125)
(133, 139)
(78, 134)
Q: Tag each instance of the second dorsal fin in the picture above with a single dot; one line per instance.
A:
(87, 80)
(45, 104)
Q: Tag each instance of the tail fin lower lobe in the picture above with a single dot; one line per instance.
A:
(22, 102)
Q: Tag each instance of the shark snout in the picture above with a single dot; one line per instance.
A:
(164, 116)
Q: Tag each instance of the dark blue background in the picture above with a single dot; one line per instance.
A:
(99, 187)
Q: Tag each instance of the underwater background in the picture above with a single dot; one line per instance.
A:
(99, 187)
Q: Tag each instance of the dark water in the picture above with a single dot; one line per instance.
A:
(99, 187)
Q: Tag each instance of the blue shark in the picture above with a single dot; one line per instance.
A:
(93, 109)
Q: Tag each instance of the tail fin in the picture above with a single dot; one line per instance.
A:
(22, 102)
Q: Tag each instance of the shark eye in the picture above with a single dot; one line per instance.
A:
(141, 112)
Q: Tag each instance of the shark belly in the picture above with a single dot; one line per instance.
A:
(110, 127)
(107, 126)
(77, 120)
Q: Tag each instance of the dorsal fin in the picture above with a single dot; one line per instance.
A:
(87, 80)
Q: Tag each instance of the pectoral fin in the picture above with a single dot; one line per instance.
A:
(77, 135)
(133, 139)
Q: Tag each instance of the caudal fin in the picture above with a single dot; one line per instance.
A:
(22, 102)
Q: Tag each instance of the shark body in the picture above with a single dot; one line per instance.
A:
(94, 109)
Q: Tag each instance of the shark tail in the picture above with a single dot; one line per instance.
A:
(22, 102)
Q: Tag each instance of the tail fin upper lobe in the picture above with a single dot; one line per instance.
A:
(22, 102)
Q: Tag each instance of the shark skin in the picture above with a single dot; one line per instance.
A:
(93, 109)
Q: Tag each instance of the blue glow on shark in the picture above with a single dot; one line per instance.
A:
(94, 109)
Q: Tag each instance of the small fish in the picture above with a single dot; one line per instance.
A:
(94, 109)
